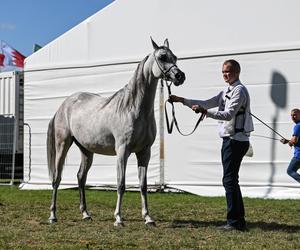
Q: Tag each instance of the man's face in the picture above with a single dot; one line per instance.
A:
(228, 74)
(295, 115)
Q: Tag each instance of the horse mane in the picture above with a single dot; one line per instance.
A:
(127, 97)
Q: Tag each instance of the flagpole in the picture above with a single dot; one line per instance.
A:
(1, 53)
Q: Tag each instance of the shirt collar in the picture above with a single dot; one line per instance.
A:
(237, 82)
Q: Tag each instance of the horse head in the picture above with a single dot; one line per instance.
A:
(165, 66)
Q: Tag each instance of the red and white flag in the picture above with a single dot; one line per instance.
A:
(10, 59)
(2, 60)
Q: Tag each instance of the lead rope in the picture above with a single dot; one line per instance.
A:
(174, 120)
(267, 126)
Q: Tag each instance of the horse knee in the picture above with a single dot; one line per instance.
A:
(143, 188)
(80, 176)
(121, 188)
(56, 182)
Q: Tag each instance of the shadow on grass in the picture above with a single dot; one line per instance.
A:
(195, 224)
(273, 226)
(265, 226)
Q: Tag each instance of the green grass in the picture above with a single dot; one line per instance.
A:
(183, 221)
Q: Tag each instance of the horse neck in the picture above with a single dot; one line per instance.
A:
(143, 86)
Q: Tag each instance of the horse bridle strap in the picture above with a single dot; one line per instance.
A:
(164, 72)
(174, 120)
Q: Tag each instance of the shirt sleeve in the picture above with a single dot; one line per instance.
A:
(296, 131)
(237, 100)
(207, 104)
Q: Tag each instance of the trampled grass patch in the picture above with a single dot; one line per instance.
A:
(184, 221)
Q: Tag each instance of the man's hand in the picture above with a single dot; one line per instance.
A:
(174, 98)
(289, 142)
(284, 141)
(199, 109)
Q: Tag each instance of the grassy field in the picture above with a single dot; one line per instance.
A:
(183, 221)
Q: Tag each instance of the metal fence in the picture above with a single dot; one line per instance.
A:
(7, 149)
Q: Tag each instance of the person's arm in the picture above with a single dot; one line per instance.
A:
(290, 142)
(237, 100)
(295, 137)
(205, 104)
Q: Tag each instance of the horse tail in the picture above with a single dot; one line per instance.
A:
(51, 152)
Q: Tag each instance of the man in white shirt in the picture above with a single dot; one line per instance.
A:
(235, 126)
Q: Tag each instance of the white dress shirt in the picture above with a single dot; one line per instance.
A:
(230, 103)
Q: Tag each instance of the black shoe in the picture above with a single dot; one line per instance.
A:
(229, 227)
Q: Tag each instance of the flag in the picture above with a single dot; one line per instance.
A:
(10, 59)
(36, 47)
(2, 60)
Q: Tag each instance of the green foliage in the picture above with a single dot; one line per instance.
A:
(184, 221)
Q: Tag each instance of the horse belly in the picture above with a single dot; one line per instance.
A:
(99, 143)
(100, 148)
(104, 150)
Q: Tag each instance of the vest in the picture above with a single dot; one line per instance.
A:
(242, 122)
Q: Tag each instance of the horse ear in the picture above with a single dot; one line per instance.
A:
(155, 46)
(166, 43)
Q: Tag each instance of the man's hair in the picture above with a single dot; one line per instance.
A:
(234, 64)
(295, 110)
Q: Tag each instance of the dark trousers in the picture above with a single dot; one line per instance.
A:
(232, 155)
(293, 168)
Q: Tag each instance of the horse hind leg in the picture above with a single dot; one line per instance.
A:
(143, 158)
(86, 162)
(61, 147)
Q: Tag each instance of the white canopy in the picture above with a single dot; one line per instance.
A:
(100, 54)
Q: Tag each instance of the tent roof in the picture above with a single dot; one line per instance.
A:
(121, 31)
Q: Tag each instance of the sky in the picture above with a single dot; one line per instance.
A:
(24, 23)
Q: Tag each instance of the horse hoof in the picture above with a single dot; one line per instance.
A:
(87, 218)
(52, 220)
(119, 224)
(150, 223)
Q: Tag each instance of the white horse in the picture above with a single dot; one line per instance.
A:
(118, 125)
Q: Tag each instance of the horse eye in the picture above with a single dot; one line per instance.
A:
(163, 57)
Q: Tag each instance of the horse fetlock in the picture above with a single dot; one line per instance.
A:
(145, 213)
(118, 222)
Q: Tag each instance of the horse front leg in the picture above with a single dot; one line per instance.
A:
(122, 155)
(143, 158)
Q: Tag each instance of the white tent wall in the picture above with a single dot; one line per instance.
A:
(100, 54)
(45, 94)
(273, 95)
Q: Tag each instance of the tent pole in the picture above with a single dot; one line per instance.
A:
(161, 137)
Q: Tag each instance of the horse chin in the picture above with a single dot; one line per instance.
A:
(178, 83)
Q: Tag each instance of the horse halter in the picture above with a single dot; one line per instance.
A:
(173, 122)
(164, 72)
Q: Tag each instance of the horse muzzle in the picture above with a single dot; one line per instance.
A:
(179, 77)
